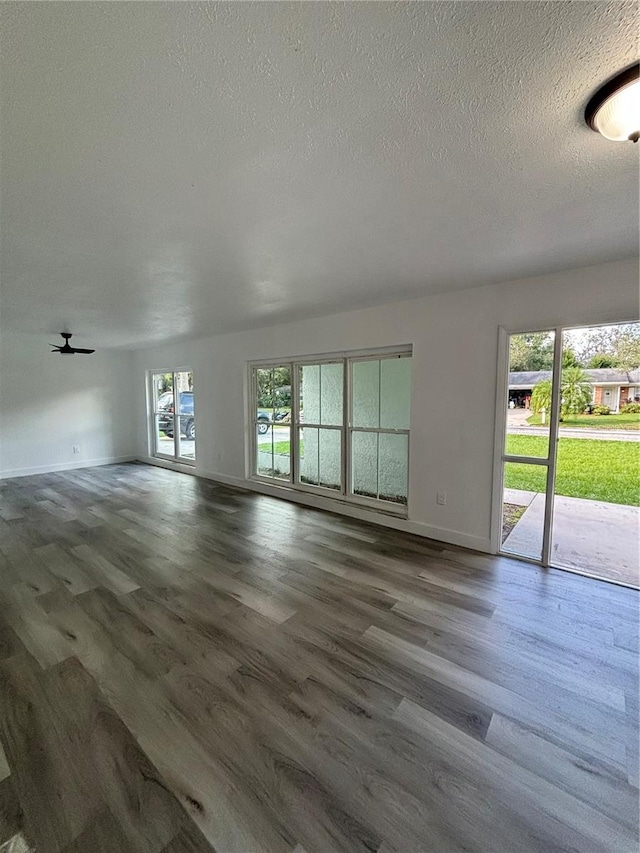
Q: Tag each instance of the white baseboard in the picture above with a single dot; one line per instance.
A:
(419, 528)
(64, 466)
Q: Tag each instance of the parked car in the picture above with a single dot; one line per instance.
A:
(264, 420)
(187, 417)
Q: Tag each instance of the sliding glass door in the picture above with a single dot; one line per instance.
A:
(568, 450)
(596, 514)
(528, 454)
(172, 414)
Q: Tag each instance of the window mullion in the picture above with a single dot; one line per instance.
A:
(346, 433)
(294, 430)
(176, 423)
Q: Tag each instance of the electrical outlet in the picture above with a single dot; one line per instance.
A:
(76, 448)
(441, 498)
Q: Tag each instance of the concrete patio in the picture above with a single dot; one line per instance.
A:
(588, 536)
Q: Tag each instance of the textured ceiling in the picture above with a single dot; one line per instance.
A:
(171, 169)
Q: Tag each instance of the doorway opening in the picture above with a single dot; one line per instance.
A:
(569, 457)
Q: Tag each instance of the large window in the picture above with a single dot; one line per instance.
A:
(336, 425)
(172, 415)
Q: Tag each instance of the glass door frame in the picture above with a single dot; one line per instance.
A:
(550, 462)
(152, 415)
(501, 458)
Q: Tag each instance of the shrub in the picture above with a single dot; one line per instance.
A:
(630, 409)
(601, 410)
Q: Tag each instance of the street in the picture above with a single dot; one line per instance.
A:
(187, 448)
(280, 433)
(517, 425)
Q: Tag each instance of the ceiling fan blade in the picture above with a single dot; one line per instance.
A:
(87, 351)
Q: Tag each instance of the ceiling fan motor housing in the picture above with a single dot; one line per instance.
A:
(67, 349)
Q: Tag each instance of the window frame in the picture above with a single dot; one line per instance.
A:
(351, 429)
(346, 429)
(297, 425)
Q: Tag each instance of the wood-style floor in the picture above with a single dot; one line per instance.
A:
(187, 667)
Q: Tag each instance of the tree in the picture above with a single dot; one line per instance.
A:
(274, 387)
(575, 390)
(602, 359)
(531, 351)
(621, 343)
(541, 396)
(164, 383)
(569, 358)
(575, 393)
(628, 351)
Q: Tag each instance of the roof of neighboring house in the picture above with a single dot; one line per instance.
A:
(599, 376)
(614, 374)
(528, 378)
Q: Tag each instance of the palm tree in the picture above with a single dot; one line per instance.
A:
(575, 393)
(541, 396)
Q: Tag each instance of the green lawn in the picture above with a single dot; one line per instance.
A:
(624, 421)
(587, 468)
(282, 448)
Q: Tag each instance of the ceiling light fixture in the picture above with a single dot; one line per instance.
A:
(614, 110)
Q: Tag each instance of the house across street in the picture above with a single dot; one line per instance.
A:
(610, 387)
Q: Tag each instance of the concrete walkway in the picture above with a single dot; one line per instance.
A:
(589, 536)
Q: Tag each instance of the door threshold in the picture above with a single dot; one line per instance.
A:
(570, 570)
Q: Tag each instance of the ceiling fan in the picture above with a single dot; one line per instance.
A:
(67, 349)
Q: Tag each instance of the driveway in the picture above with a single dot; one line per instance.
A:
(517, 417)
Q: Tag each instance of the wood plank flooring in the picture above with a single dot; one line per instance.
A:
(185, 667)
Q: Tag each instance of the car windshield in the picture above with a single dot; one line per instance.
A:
(165, 400)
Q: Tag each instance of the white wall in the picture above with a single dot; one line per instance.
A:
(455, 348)
(48, 403)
